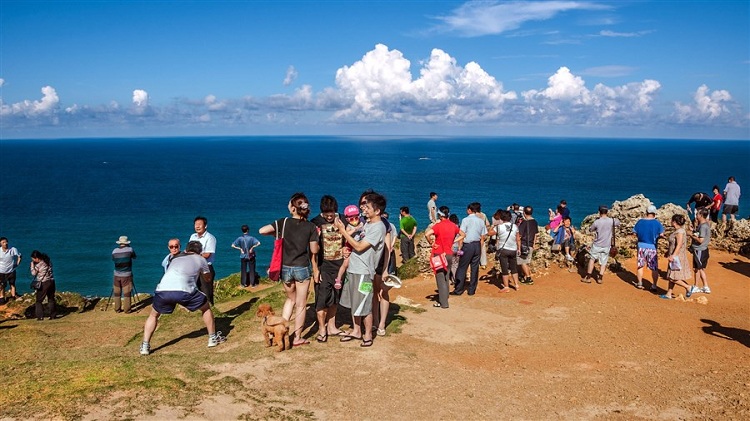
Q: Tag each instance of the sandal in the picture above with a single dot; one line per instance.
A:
(366, 343)
(348, 338)
(505, 290)
(339, 333)
(665, 297)
(436, 305)
(337, 284)
(305, 342)
(322, 338)
(381, 332)
(639, 286)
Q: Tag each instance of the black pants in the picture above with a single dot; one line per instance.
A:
(247, 272)
(470, 258)
(47, 290)
(207, 287)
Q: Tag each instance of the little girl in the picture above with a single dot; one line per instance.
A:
(351, 213)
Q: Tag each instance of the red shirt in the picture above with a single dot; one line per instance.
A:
(445, 232)
(717, 202)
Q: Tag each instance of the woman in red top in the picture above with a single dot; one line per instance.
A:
(716, 205)
(441, 236)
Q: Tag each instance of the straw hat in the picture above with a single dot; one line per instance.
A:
(393, 281)
(123, 240)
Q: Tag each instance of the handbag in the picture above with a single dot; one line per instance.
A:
(35, 284)
(438, 262)
(274, 269)
(613, 247)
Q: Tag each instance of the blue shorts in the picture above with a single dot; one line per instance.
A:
(647, 257)
(165, 301)
(290, 274)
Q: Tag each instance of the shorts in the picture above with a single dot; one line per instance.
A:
(381, 263)
(700, 259)
(527, 260)
(165, 301)
(123, 281)
(357, 294)
(731, 209)
(290, 274)
(507, 259)
(647, 257)
(325, 294)
(8, 279)
(600, 254)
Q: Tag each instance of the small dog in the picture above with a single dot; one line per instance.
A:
(275, 329)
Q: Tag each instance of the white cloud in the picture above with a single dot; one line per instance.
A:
(140, 98)
(706, 105)
(477, 18)
(45, 106)
(613, 34)
(291, 76)
(2, 82)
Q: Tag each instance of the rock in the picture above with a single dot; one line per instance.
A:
(702, 300)
(67, 302)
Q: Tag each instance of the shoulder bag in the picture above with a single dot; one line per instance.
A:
(613, 246)
(274, 269)
(36, 284)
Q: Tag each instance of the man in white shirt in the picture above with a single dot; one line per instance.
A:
(208, 242)
(732, 194)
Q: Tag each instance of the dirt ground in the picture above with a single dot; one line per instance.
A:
(558, 349)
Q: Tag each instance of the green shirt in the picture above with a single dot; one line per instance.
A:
(407, 224)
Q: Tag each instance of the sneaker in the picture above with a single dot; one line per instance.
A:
(694, 290)
(529, 281)
(145, 348)
(706, 290)
(215, 339)
(568, 257)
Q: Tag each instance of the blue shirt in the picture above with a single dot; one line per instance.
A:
(245, 243)
(474, 228)
(648, 231)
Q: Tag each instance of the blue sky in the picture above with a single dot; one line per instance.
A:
(537, 68)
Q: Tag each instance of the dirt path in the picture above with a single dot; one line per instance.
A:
(558, 349)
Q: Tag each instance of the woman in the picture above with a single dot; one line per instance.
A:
(678, 270)
(41, 267)
(716, 205)
(508, 248)
(564, 234)
(555, 218)
(300, 244)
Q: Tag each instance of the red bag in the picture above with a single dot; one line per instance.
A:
(438, 262)
(274, 269)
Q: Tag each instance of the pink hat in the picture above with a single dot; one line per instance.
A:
(351, 210)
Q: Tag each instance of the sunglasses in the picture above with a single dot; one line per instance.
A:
(173, 247)
(352, 218)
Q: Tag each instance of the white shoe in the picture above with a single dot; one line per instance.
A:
(215, 339)
(568, 257)
(706, 290)
(145, 348)
(694, 290)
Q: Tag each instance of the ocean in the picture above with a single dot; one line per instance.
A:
(73, 198)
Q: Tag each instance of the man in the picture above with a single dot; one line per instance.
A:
(732, 200)
(330, 259)
(123, 257)
(367, 249)
(603, 228)
(208, 243)
(565, 210)
(441, 237)
(174, 249)
(408, 227)
(179, 286)
(701, 237)
(246, 244)
(10, 258)
(648, 230)
(432, 208)
(701, 200)
(470, 239)
(529, 230)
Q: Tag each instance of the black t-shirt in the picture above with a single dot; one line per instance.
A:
(702, 200)
(298, 234)
(528, 229)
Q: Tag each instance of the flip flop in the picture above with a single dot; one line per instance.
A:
(305, 342)
(339, 333)
(366, 344)
(322, 338)
(665, 297)
(349, 338)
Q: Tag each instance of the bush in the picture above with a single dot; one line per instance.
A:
(409, 269)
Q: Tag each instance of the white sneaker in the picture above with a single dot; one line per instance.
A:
(706, 290)
(145, 348)
(568, 257)
(694, 290)
(215, 339)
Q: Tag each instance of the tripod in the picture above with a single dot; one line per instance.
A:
(133, 293)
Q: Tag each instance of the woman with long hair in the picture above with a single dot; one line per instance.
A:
(678, 270)
(300, 249)
(41, 267)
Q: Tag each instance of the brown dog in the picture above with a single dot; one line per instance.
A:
(275, 329)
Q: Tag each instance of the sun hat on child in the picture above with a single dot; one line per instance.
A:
(123, 240)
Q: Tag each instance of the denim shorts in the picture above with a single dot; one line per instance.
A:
(290, 274)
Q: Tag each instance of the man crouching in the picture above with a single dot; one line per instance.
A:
(179, 286)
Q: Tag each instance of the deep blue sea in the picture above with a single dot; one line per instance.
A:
(73, 198)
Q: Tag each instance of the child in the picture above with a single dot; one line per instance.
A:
(351, 213)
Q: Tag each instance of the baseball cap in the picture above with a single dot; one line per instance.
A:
(351, 210)
(651, 209)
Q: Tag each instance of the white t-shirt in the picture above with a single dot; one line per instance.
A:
(502, 235)
(367, 261)
(208, 241)
(182, 274)
(8, 259)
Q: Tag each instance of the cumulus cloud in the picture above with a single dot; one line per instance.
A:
(706, 106)
(140, 98)
(380, 87)
(478, 18)
(45, 106)
(291, 76)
